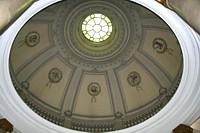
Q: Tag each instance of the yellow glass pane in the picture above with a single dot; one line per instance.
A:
(107, 19)
(83, 28)
(110, 29)
(92, 16)
(96, 40)
(85, 22)
(87, 19)
(87, 36)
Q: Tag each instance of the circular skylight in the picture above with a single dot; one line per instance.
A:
(97, 27)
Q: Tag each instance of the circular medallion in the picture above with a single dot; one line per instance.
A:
(55, 75)
(134, 79)
(94, 89)
(159, 45)
(97, 27)
(32, 39)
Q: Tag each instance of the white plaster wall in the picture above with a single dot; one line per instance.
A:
(1, 117)
(15, 130)
(183, 108)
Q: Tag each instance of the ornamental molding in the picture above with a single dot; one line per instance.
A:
(81, 52)
(15, 108)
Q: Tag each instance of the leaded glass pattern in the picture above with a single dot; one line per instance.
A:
(97, 27)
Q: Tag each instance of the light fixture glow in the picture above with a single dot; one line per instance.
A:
(97, 27)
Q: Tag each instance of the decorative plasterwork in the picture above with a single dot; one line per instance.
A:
(32, 39)
(163, 120)
(87, 85)
(25, 85)
(94, 89)
(111, 53)
(160, 46)
(134, 79)
(55, 75)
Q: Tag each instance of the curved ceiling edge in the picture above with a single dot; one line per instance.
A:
(186, 94)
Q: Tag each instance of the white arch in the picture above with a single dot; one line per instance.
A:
(183, 108)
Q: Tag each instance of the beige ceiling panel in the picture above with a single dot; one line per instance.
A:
(88, 105)
(49, 84)
(163, 48)
(145, 11)
(32, 40)
(136, 91)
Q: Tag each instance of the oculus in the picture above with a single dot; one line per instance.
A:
(97, 27)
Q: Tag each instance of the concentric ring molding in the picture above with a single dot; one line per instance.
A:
(182, 108)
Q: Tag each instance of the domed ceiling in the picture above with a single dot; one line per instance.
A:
(94, 65)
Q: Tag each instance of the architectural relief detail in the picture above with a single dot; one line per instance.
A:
(93, 127)
(94, 89)
(134, 79)
(134, 120)
(21, 43)
(25, 85)
(160, 46)
(68, 113)
(55, 76)
(162, 90)
(172, 91)
(118, 115)
(90, 126)
(81, 52)
(52, 117)
(31, 40)
(82, 55)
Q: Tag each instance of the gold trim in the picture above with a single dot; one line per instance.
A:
(6, 125)
(163, 2)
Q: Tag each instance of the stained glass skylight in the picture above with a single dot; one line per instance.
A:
(97, 27)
